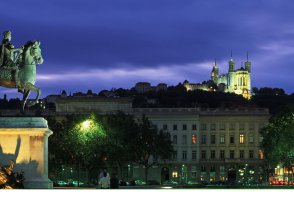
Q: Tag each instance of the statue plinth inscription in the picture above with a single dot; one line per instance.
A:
(25, 141)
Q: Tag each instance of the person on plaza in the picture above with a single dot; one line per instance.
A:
(133, 183)
(102, 174)
(104, 182)
(123, 182)
(114, 182)
(7, 56)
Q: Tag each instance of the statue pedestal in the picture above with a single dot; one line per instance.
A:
(25, 140)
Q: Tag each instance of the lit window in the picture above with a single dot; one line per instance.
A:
(241, 138)
(260, 154)
(175, 174)
(194, 138)
(222, 138)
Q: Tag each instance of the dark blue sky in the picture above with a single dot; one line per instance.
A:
(100, 44)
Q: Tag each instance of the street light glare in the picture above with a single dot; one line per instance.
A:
(86, 124)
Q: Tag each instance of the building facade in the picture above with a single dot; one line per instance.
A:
(146, 87)
(210, 144)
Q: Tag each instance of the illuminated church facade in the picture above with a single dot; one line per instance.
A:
(236, 81)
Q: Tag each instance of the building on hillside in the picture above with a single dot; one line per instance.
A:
(236, 81)
(146, 87)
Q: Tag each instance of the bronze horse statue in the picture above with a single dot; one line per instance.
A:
(27, 72)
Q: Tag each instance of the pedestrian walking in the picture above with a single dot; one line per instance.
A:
(123, 182)
(132, 183)
(114, 182)
(104, 182)
(102, 174)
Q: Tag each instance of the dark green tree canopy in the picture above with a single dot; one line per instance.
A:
(278, 137)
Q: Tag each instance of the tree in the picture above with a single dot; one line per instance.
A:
(255, 90)
(83, 141)
(119, 129)
(150, 146)
(56, 157)
(278, 137)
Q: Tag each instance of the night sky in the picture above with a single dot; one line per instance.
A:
(100, 44)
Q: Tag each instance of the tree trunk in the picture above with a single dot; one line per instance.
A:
(89, 169)
(78, 172)
(146, 174)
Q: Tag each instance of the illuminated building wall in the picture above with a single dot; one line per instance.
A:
(235, 81)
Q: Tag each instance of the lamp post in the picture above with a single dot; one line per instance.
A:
(245, 173)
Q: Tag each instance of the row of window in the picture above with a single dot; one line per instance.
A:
(212, 154)
(213, 139)
(221, 170)
(212, 127)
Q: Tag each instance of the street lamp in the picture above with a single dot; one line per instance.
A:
(245, 172)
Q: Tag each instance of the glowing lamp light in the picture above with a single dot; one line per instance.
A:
(86, 124)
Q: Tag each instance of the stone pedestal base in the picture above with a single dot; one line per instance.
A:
(25, 140)
(38, 184)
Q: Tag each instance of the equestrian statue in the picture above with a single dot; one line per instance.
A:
(18, 70)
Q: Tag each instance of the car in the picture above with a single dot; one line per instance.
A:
(62, 183)
(87, 185)
(274, 182)
(139, 182)
(75, 183)
(192, 183)
(219, 182)
(252, 182)
(153, 182)
(119, 182)
(168, 182)
(283, 182)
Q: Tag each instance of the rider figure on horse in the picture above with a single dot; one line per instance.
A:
(7, 56)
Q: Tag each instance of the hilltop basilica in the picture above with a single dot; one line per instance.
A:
(235, 81)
